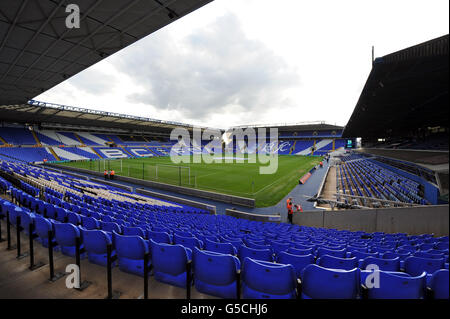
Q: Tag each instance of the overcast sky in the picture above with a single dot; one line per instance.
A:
(236, 62)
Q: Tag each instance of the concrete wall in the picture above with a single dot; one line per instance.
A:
(99, 180)
(209, 208)
(413, 221)
(234, 200)
(254, 217)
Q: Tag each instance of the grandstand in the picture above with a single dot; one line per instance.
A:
(379, 206)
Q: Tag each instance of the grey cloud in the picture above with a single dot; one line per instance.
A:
(207, 71)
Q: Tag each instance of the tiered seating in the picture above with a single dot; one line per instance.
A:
(17, 136)
(186, 246)
(27, 154)
(371, 180)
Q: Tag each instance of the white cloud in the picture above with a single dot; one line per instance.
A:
(256, 61)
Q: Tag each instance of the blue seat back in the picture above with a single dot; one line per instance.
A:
(416, 265)
(258, 254)
(328, 261)
(265, 280)
(299, 262)
(223, 248)
(439, 284)
(396, 285)
(324, 283)
(170, 263)
(215, 273)
(383, 264)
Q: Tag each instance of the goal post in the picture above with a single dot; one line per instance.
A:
(173, 173)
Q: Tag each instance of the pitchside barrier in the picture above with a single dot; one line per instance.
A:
(229, 199)
(410, 220)
(307, 176)
(61, 171)
(210, 208)
(98, 180)
(253, 217)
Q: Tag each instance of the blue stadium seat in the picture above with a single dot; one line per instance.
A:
(133, 254)
(341, 253)
(222, 248)
(68, 238)
(89, 223)
(299, 262)
(96, 243)
(383, 264)
(258, 254)
(323, 283)
(265, 280)
(159, 237)
(300, 252)
(328, 261)
(395, 285)
(172, 265)
(416, 265)
(188, 242)
(439, 284)
(217, 274)
(134, 231)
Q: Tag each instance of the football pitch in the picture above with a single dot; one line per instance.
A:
(238, 179)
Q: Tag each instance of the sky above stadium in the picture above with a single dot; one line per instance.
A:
(236, 62)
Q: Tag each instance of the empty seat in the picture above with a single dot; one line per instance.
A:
(159, 237)
(324, 283)
(258, 254)
(89, 223)
(439, 284)
(395, 285)
(134, 231)
(299, 262)
(296, 251)
(223, 248)
(325, 251)
(96, 243)
(172, 264)
(68, 238)
(216, 274)
(188, 242)
(133, 254)
(416, 265)
(265, 280)
(328, 261)
(383, 264)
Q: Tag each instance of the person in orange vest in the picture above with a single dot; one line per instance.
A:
(321, 164)
(290, 210)
(105, 174)
(112, 174)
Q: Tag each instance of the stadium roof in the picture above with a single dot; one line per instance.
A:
(295, 127)
(38, 51)
(406, 90)
(54, 115)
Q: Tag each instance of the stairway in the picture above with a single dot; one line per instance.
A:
(97, 153)
(36, 138)
(53, 153)
(292, 148)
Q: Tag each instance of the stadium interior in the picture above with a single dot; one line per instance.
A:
(379, 196)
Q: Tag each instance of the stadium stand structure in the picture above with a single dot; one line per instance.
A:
(406, 158)
(277, 260)
(55, 145)
(162, 241)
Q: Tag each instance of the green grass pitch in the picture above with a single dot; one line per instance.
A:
(239, 179)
